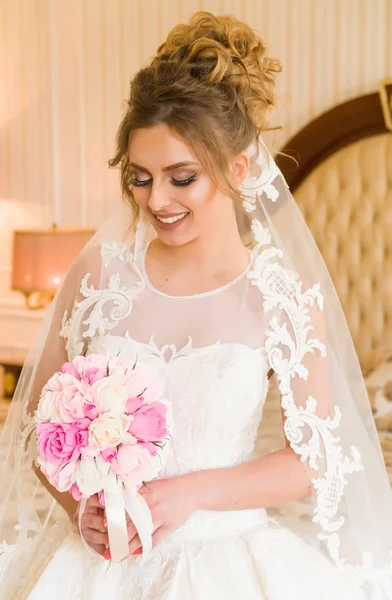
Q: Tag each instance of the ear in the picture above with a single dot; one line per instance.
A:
(240, 168)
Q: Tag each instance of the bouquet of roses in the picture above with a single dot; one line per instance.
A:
(100, 427)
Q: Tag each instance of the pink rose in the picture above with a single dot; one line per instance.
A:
(120, 367)
(109, 454)
(90, 411)
(76, 493)
(70, 401)
(133, 404)
(132, 464)
(54, 384)
(140, 382)
(70, 370)
(152, 448)
(62, 443)
(149, 422)
(89, 366)
(61, 477)
(93, 374)
(62, 399)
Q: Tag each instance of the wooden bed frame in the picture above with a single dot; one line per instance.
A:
(333, 130)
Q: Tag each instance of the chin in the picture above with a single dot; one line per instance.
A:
(174, 239)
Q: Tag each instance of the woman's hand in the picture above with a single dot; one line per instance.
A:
(93, 525)
(171, 502)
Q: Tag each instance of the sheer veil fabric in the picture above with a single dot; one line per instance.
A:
(293, 313)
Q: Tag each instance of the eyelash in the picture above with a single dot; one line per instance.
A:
(176, 182)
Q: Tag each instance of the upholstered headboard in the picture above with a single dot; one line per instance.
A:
(343, 186)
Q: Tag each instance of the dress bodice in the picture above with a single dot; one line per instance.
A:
(216, 394)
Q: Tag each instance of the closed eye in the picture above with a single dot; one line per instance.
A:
(177, 182)
(187, 181)
(139, 182)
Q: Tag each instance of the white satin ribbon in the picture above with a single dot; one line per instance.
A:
(117, 523)
(140, 514)
(119, 499)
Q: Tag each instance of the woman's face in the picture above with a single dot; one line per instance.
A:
(171, 187)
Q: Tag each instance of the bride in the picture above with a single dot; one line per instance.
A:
(210, 277)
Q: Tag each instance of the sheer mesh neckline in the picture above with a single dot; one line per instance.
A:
(217, 290)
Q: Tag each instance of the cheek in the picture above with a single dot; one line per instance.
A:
(198, 197)
(141, 197)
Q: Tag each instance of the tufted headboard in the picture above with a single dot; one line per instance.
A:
(343, 186)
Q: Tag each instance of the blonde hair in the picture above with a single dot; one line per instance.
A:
(212, 82)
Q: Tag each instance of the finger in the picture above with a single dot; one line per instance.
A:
(134, 544)
(94, 510)
(146, 493)
(92, 536)
(135, 547)
(91, 521)
(131, 530)
(93, 503)
(90, 509)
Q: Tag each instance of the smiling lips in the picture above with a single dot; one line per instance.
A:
(172, 218)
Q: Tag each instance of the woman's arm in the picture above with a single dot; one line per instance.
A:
(268, 481)
(63, 498)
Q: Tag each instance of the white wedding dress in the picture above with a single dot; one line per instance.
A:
(217, 396)
(217, 393)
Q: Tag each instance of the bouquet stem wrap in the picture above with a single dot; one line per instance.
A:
(120, 500)
(116, 520)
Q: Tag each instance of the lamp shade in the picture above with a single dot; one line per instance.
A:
(42, 257)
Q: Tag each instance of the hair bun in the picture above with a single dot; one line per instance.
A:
(224, 50)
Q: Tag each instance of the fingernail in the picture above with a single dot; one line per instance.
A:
(107, 555)
(105, 523)
(138, 551)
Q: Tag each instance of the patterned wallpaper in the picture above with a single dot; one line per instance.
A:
(64, 74)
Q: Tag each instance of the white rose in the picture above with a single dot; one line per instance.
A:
(129, 439)
(108, 430)
(46, 410)
(110, 395)
(91, 475)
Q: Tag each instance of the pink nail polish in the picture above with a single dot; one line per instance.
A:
(138, 551)
(105, 523)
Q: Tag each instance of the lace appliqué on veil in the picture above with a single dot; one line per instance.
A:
(89, 312)
(282, 288)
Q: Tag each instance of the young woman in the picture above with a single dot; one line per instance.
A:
(210, 278)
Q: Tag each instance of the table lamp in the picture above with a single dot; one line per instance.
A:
(41, 260)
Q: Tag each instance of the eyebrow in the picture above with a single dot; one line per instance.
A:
(165, 169)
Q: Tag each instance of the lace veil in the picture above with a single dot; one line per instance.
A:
(287, 305)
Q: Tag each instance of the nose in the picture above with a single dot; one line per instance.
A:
(158, 199)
